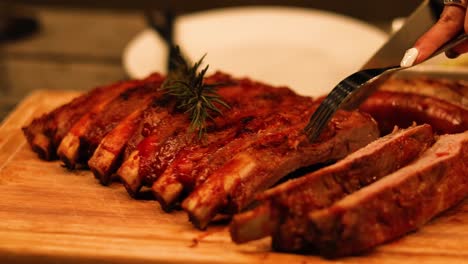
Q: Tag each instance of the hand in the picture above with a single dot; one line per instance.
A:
(453, 20)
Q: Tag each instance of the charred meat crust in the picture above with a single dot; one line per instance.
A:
(108, 154)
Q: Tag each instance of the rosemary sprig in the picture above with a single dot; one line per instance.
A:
(192, 95)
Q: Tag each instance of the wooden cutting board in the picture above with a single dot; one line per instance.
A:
(49, 214)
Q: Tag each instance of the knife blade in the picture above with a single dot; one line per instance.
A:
(421, 20)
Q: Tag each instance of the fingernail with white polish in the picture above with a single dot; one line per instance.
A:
(409, 58)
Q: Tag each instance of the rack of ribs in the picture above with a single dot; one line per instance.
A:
(260, 121)
(139, 134)
(133, 131)
(333, 216)
(149, 157)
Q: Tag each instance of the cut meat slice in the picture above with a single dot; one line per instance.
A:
(106, 158)
(83, 139)
(402, 109)
(384, 210)
(282, 213)
(160, 111)
(276, 151)
(395, 205)
(108, 155)
(130, 171)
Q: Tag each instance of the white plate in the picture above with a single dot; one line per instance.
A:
(307, 50)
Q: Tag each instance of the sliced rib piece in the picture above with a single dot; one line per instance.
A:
(274, 153)
(129, 171)
(155, 152)
(402, 109)
(68, 150)
(194, 162)
(283, 209)
(45, 133)
(110, 152)
(395, 205)
(86, 136)
(158, 112)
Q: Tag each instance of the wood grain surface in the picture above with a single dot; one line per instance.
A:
(51, 215)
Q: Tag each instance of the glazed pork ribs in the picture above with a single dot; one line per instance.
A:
(134, 131)
(148, 156)
(264, 124)
(345, 208)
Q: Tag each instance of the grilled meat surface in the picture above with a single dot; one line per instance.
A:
(283, 210)
(157, 150)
